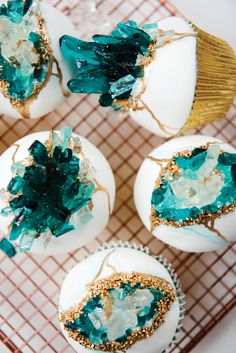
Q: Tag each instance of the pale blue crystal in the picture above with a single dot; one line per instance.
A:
(26, 241)
(65, 137)
(18, 168)
(123, 85)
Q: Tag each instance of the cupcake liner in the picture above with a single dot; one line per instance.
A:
(216, 80)
(168, 266)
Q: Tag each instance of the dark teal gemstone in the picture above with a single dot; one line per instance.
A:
(7, 247)
(39, 152)
(233, 173)
(195, 162)
(109, 65)
(15, 185)
(227, 158)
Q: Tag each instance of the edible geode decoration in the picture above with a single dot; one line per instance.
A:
(139, 69)
(33, 74)
(121, 305)
(49, 200)
(185, 193)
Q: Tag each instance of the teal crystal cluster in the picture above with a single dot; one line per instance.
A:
(52, 194)
(133, 308)
(24, 53)
(203, 183)
(112, 65)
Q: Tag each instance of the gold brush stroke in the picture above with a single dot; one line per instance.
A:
(16, 150)
(204, 218)
(104, 264)
(158, 161)
(181, 36)
(103, 189)
(212, 228)
(60, 78)
(102, 287)
(216, 80)
(162, 126)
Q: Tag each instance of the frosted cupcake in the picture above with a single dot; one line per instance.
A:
(185, 193)
(33, 73)
(121, 299)
(170, 75)
(57, 192)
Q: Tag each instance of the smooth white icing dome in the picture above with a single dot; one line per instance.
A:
(194, 238)
(50, 96)
(123, 260)
(101, 203)
(171, 81)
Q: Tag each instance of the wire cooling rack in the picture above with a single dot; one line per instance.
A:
(29, 285)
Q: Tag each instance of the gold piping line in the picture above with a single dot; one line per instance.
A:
(104, 264)
(212, 228)
(60, 78)
(162, 126)
(103, 189)
(181, 36)
(158, 161)
(16, 150)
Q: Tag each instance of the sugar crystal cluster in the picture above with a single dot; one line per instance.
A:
(25, 56)
(50, 192)
(201, 182)
(112, 65)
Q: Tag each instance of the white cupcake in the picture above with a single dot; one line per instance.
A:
(119, 299)
(170, 75)
(57, 192)
(185, 193)
(33, 73)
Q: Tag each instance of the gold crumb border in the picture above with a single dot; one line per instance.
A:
(102, 287)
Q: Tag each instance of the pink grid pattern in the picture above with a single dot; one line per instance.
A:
(29, 284)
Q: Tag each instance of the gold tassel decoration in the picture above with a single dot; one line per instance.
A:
(216, 80)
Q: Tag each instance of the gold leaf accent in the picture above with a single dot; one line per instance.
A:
(103, 189)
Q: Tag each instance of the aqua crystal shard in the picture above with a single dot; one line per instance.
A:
(24, 58)
(133, 308)
(7, 247)
(205, 184)
(110, 65)
(48, 192)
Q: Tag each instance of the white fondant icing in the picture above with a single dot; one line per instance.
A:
(50, 96)
(77, 238)
(196, 238)
(171, 81)
(123, 260)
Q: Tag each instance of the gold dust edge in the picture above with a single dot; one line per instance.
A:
(102, 287)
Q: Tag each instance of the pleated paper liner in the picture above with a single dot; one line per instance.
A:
(168, 266)
(216, 80)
